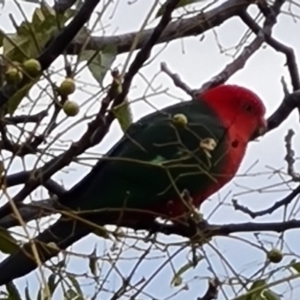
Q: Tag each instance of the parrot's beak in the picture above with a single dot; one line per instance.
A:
(261, 129)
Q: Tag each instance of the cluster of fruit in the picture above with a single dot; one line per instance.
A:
(32, 68)
(66, 88)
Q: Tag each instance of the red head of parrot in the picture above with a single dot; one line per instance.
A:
(239, 108)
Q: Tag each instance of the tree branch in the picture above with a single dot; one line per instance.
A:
(284, 202)
(248, 51)
(26, 118)
(29, 212)
(290, 156)
(287, 51)
(178, 29)
(145, 51)
(24, 176)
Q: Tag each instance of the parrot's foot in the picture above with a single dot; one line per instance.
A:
(201, 230)
(196, 229)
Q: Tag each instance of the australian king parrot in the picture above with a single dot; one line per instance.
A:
(195, 146)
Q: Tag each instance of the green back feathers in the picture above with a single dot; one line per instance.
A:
(180, 147)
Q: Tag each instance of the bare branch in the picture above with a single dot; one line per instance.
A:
(176, 79)
(24, 176)
(26, 118)
(276, 45)
(289, 103)
(284, 202)
(178, 29)
(210, 230)
(29, 212)
(247, 52)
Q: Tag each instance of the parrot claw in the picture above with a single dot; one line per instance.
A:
(180, 119)
(208, 145)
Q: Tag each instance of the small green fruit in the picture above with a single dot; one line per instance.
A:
(71, 108)
(13, 75)
(275, 256)
(32, 67)
(180, 119)
(67, 87)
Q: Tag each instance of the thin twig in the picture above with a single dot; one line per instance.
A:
(146, 50)
(176, 79)
(283, 202)
(290, 156)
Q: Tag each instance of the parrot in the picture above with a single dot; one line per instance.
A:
(193, 146)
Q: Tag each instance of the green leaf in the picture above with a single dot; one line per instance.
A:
(99, 62)
(76, 286)
(269, 295)
(93, 263)
(13, 291)
(255, 291)
(72, 295)
(177, 280)
(181, 3)
(296, 266)
(52, 285)
(259, 285)
(16, 99)
(8, 244)
(123, 114)
(28, 41)
(12, 43)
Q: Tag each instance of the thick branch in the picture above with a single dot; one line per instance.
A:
(29, 212)
(289, 103)
(26, 118)
(178, 29)
(24, 176)
(209, 230)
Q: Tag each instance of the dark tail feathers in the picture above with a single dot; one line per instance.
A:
(63, 233)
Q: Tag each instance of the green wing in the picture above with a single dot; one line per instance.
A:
(154, 161)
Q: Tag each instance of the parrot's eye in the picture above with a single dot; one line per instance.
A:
(247, 107)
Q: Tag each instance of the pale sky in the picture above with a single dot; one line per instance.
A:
(196, 59)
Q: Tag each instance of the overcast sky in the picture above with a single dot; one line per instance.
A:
(196, 59)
